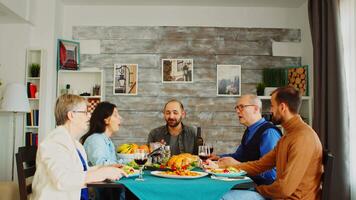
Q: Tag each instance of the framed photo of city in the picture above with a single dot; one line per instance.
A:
(228, 80)
(125, 79)
(177, 70)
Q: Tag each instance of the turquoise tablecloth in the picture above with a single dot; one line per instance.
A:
(165, 188)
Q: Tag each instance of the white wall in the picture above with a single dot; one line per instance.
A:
(14, 40)
(178, 16)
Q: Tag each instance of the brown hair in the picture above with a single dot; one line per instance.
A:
(64, 104)
(290, 96)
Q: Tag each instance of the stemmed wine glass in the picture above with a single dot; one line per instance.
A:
(203, 152)
(140, 158)
(211, 148)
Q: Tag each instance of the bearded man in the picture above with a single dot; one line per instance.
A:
(181, 138)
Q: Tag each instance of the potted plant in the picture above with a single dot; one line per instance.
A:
(260, 88)
(35, 70)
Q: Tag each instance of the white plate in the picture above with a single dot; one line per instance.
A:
(158, 173)
(230, 174)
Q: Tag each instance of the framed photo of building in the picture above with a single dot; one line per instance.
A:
(68, 55)
(177, 70)
(228, 80)
(125, 79)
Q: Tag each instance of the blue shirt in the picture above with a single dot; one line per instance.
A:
(100, 150)
(269, 139)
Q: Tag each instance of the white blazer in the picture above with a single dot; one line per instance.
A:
(59, 171)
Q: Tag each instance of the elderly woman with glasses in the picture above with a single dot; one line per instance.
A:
(62, 170)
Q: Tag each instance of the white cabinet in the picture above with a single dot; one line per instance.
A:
(34, 64)
(87, 83)
(305, 109)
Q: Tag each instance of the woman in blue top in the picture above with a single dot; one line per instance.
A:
(104, 122)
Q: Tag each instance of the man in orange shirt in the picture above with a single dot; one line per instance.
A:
(297, 156)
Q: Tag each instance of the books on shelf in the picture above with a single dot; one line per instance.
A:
(31, 139)
(32, 118)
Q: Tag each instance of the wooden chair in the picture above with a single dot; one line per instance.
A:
(26, 167)
(328, 160)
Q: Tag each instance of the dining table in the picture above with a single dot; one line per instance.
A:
(154, 187)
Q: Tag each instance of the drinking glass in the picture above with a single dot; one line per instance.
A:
(166, 154)
(203, 152)
(211, 148)
(140, 158)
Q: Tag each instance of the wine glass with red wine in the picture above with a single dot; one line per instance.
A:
(203, 153)
(140, 158)
(211, 148)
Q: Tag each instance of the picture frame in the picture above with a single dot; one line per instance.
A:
(228, 80)
(125, 79)
(298, 77)
(177, 70)
(68, 55)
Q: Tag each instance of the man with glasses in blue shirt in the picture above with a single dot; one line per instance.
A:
(259, 138)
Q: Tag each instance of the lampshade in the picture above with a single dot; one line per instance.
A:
(15, 98)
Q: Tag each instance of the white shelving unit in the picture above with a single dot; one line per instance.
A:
(305, 109)
(32, 122)
(81, 81)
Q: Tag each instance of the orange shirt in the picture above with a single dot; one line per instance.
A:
(298, 160)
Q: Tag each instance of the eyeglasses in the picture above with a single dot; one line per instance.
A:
(241, 107)
(81, 111)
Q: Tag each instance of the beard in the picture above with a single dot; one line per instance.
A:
(276, 120)
(173, 122)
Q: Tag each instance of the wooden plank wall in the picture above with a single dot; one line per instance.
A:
(207, 46)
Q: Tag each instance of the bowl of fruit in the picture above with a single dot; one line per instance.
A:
(125, 152)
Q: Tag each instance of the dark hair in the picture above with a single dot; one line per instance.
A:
(173, 100)
(97, 121)
(290, 96)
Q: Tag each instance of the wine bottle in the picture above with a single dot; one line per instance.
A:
(200, 141)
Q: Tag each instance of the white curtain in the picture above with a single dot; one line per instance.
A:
(348, 26)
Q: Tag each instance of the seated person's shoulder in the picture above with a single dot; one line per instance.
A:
(157, 130)
(191, 130)
(96, 137)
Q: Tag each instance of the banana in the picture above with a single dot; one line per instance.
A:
(124, 148)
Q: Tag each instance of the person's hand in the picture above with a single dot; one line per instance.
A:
(112, 173)
(227, 162)
(163, 142)
(213, 157)
(117, 165)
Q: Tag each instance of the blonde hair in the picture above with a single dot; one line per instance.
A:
(64, 104)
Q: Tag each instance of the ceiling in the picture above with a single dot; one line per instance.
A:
(224, 3)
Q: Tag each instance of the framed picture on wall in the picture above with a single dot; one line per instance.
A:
(125, 79)
(228, 82)
(68, 55)
(177, 70)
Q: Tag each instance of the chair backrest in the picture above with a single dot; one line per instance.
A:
(26, 167)
(328, 160)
